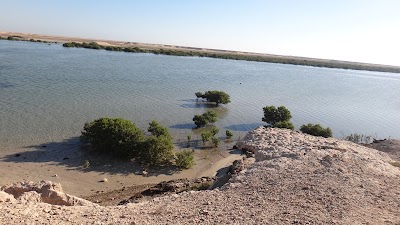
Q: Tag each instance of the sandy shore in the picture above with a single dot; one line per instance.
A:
(64, 163)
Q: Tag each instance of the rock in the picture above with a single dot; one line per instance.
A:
(43, 191)
(104, 180)
(5, 197)
(237, 166)
(204, 212)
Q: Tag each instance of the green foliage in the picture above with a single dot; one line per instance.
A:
(205, 118)
(185, 159)
(157, 151)
(216, 96)
(210, 116)
(205, 136)
(118, 137)
(216, 141)
(229, 133)
(157, 130)
(214, 131)
(316, 130)
(273, 115)
(200, 121)
(199, 94)
(91, 45)
(284, 124)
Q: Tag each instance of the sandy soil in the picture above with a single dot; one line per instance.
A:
(64, 163)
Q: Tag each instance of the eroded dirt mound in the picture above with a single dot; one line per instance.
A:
(391, 147)
(43, 191)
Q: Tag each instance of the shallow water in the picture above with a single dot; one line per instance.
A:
(48, 92)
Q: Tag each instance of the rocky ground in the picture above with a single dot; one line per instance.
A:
(296, 179)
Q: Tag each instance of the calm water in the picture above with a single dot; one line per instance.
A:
(48, 92)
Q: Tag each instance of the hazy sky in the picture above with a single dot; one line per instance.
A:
(364, 30)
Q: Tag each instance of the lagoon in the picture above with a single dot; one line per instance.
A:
(47, 93)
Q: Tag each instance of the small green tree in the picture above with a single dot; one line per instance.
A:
(214, 131)
(205, 118)
(316, 130)
(210, 116)
(216, 141)
(199, 94)
(273, 115)
(116, 136)
(157, 150)
(229, 134)
(200, 120)
(185, 159)
(205, 136)
(217, 97)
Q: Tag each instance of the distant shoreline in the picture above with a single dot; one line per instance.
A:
(201, 52)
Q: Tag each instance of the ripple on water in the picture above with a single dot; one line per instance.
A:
(49, 92)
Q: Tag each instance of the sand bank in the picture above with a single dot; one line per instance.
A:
(64, 163)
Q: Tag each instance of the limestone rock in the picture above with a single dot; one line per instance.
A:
(43, 191)
(5, 197)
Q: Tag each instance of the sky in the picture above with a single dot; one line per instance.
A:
(351, 30)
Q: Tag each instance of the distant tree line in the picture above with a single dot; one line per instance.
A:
(233, 56)
(20, 38)
(225, 55)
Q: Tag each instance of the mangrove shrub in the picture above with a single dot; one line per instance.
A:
(316, 130)
(115, 136)
(205, 118)
(218, 97)
(185, 159)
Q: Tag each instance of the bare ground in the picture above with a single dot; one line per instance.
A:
(297, 179)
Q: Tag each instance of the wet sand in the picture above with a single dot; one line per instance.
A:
(64, 162)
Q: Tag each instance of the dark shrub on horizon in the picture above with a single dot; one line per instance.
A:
(273, 115)
(316, 130)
